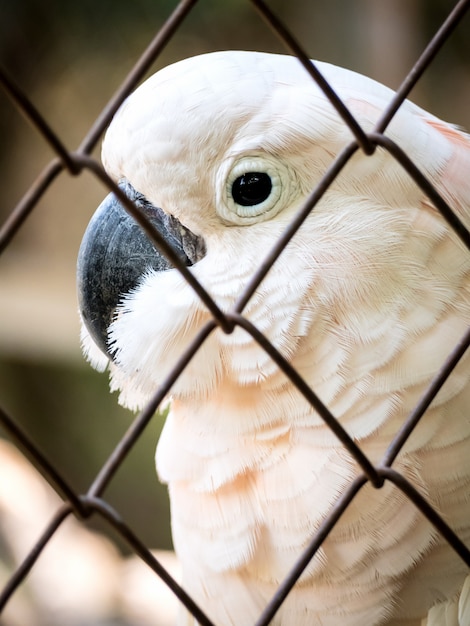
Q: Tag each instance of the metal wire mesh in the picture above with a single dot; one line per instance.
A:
(93, 503)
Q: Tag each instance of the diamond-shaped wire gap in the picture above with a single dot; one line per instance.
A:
(312, 398)
(51, 171)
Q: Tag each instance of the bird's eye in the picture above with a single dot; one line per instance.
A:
(251, 188)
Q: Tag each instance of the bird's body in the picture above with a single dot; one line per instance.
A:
(366, 302)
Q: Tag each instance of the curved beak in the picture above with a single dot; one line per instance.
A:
(115, 253)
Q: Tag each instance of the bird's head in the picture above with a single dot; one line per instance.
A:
(206, 144)
(219, 152)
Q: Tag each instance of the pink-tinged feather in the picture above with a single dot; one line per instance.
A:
(366, 302)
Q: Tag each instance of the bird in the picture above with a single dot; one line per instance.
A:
(366, 302)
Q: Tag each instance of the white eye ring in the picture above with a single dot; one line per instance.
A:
(266, 184)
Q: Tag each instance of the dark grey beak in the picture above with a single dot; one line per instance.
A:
(114, 254)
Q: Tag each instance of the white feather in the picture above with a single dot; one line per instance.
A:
(365, 302)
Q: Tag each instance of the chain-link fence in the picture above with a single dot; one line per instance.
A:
(92, 502)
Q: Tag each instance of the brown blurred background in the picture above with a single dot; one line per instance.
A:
(70, 56)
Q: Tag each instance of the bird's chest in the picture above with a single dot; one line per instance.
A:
(249, 490)
(249, 493)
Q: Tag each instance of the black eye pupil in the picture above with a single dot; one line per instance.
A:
(251, 188)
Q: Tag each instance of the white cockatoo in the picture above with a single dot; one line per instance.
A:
(366, 302)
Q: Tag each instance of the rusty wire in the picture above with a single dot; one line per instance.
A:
(75, 162)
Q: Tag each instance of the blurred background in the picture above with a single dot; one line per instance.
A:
(69, 57)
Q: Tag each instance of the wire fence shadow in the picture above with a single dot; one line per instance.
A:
(93, 502)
